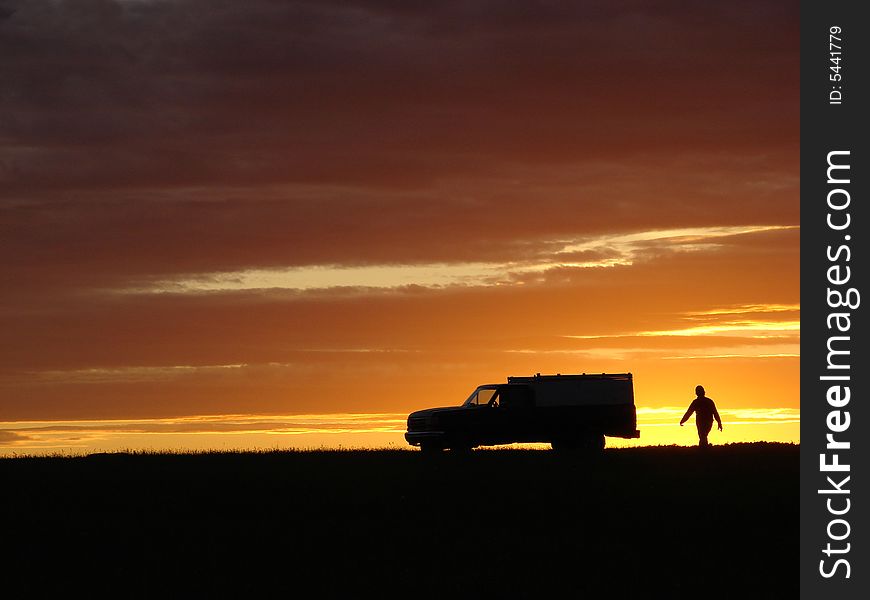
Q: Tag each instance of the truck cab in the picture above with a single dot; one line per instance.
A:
(567, 411)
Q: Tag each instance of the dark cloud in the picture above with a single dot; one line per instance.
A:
(140, 138)
(116, 94)
(181, 93)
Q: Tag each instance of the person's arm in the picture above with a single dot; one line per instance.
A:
(688, 413)
(716, 415)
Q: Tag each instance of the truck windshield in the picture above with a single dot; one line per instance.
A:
(483, 396)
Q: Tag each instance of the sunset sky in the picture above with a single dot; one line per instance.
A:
(267, 223)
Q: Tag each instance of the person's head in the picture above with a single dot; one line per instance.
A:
(699, 391)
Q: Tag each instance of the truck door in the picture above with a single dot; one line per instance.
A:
(486, 419)
(517, 406)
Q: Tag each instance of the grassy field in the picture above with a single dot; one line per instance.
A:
(656, 522)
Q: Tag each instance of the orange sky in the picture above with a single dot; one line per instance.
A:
(268, 210)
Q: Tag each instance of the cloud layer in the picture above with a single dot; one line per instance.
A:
(279, 206)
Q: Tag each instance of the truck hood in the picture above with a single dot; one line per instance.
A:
(429, 412)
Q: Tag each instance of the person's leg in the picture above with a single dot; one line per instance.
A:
(703, 432)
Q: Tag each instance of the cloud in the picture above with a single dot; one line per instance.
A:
(262, 135)
(794, 354)
(454, 337)
(11, 438)
(742, 328)
(555, 256)
(169, 373)
(324, 277)
(720, 322)
(736, 351)
(747, 309)
(374, 92)
(129, 374)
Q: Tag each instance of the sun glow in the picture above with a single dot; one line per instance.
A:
(350, 430)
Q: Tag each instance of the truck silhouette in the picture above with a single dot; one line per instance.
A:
(568, 411)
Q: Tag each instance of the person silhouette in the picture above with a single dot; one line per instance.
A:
(705, 411)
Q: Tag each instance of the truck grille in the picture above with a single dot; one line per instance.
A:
(417, 424)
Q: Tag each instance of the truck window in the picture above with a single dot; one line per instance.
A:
(483, 396)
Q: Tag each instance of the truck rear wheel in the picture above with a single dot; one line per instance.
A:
(592, 443)
(595, 442)
(430, 448)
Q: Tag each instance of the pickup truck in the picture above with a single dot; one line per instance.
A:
(568, 411)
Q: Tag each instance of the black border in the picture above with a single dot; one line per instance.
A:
(826, 127)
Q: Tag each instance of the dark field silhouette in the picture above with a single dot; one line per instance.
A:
(657, 522)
